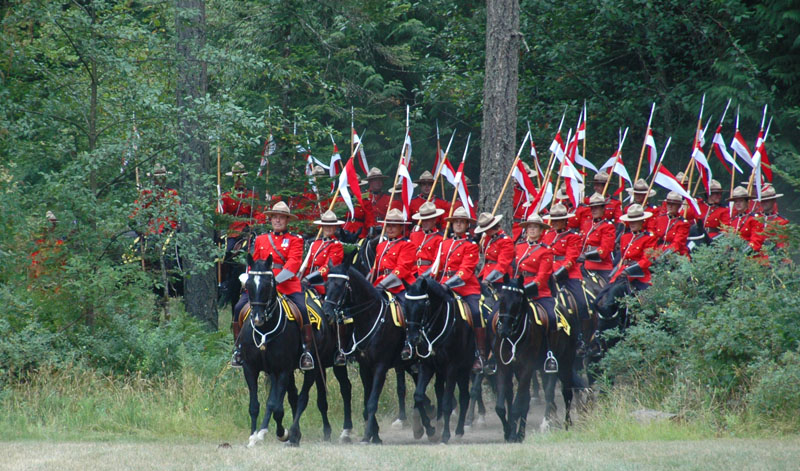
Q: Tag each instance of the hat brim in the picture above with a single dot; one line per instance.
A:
(237, 174)
(320, 222)
(644, 216)
(631, 192)
(398, 223)
(158, 174)
(559, 218)
(461, 218)
(773, 197)
(495, 221)
(525, 224)
(734, 198)
(280, 213)
(434, 215)
(419, 182)
(375, 177)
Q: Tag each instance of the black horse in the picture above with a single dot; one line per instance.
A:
(520, 349)
(611, 310)
(444, 342)
(270, 342)
(375, 339)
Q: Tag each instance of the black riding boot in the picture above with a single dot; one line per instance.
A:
(340, 359)
(306, 360)
(480, 343)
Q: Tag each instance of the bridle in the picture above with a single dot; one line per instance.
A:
(423, 326)
(514, 326)
(356, 309)
(271, 307)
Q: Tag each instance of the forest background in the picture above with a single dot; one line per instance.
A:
(92, 90)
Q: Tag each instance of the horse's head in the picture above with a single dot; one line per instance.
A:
(416, 309)
(336, 288)
(261, 289)
(511, 303)
(610, 311)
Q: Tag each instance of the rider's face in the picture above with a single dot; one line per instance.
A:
(460, 226)
(534, 232)
(279, 222)
(394, 230)
(328, 231)
(598, 212)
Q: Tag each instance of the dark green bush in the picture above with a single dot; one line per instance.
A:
(715, 333)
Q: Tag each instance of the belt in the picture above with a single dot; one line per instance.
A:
(559, 258)
(450, 273)
(527, 273)
(385, 271)
(518, 220)
(424, 263)
(591, 247)
(276, 266)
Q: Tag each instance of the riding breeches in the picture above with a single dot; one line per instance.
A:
(474, 303)
(575, 287)
(549, 305)
(637, 285)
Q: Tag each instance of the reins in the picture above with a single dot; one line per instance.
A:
(424, 328)
(521, 334)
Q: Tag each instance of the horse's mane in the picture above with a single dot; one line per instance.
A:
(359, 282)
(435, 289)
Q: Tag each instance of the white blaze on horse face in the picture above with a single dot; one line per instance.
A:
(257, 281)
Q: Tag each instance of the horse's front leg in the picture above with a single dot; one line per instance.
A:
(519, 410)
(322, 404)
(401, 397)
(346, 389)
(504, 388)
(251, 377)
(421, 418)
(378, 380)
(282, 383)
(309, 377)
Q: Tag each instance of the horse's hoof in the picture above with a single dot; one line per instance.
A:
(481, 420)
(285, 436)
(545, 426)
(345, 436)
(291, 444)
(433, 437)
(416, 424)
(377, 441)
(262, 434)
(398, 424)
(467, 428)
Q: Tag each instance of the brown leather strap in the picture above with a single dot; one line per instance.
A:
(275, 249)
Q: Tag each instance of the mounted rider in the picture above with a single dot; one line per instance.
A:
(459, 259)
(774, 223)
(743, 222)
(286, 250)
(326, 250)
(394, 257)
(599, 239)
(377, 197)
(427, 239)
(534, 262)
(636, 247)
(714, 214)
(497, 250)
(638, 192)
(241, 204)
(671, 229)
(425, 183)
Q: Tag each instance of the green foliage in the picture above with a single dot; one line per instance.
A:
(717, 333)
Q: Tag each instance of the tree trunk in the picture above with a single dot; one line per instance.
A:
(199, 283)
(498, 134)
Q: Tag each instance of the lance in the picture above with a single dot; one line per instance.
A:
(508, 177)
(619, 157)
(644, 143)
(459, 178)
(757, 165)
(655, 172)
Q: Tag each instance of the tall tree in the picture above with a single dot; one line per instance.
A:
(498, 134)
(196, 189)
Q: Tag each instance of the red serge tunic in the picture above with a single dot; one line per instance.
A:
(772, 228)
(566, 247)
(380, 204)
(535, 263)
(287, 253)
(498, 253)
(419, 200)
(715, 217)
(160, 207)
(324, 251)
(362, 220)
(395, 256)
(427, 246)
(460, 258)
(636, 248)
(750, 229)
(649, 223)
(602, 236)
(672, 233)
(238, 205)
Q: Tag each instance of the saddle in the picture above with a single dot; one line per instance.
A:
(292, 313)
(314, 309)
(541, 318)
(466, 312)
(396, 309)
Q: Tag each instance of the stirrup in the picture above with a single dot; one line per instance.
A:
(550, 363)
(479, 364)
(407, 352)
(490, 368)
(236, 359)
(306, 361)
(339, 359)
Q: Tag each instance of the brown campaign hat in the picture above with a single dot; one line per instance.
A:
(714, 186)
(461, 214)
(597, 200)
(428, 210)
(426, 177)
(159, 171)
(635, 213)
(373, 174)
(318, 171)
(559, 212)
(280, 209)
(395, 216)
(486, 221)
(740, 193)
(601, 177)
(674, 197)
(534, 219)
(237, 170)
(768, 193)
(51, 217)
(328, 218)
(640, 187)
